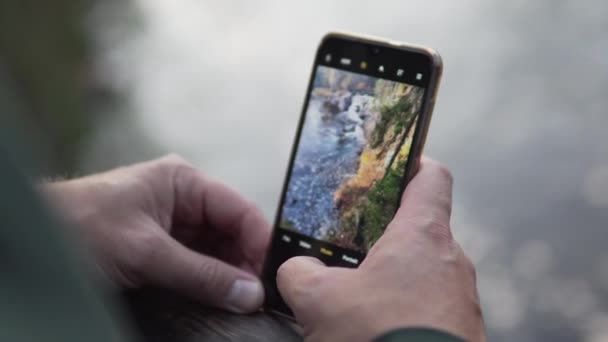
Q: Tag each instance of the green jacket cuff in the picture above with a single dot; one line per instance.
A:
(417, 335)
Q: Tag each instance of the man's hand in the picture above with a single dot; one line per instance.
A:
(416, 275)
(162, 223)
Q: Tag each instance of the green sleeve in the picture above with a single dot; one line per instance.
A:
(417, 335)
(45, 293)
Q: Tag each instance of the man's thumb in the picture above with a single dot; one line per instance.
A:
(206, 279)
(293, 277)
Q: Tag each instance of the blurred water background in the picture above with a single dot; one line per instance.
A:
(520, 120)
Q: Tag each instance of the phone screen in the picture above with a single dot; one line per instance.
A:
(351, 156)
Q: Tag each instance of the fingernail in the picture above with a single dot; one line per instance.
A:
(244, 296)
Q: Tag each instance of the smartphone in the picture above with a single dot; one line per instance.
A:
(359, 141)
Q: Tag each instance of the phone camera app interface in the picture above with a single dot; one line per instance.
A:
(346, 179)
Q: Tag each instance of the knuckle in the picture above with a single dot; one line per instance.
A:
(465, 263)
(176, 168)
(174, 162)
(143, 249)
(437, 230)
(312, 279)
(443, 171)
(174, 158)
(470, 267)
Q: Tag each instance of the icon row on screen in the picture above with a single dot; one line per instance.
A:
(323, 250)
(363, 66)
